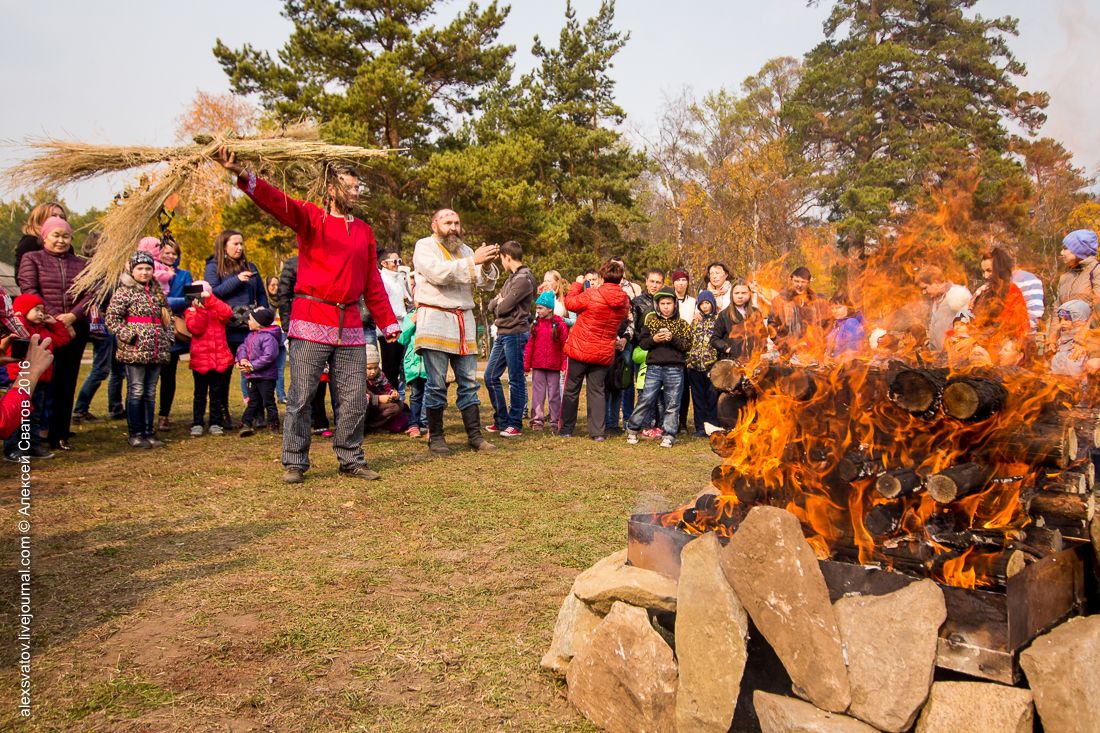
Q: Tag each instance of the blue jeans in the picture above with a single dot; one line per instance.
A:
(141, 398)
(507, 352)
(704, 397)
(104, 366)
(280, 374)
(416, 403)
(658, 379)
(614, 406)
(628, 393)
(465, 368)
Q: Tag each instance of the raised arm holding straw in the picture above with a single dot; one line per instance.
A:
(337, 264)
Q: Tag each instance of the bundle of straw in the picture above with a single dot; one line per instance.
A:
(293, 153)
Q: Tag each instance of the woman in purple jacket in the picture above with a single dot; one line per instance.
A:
(49, 273)
(257, 358)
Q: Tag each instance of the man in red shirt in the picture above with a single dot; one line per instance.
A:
(337, 266)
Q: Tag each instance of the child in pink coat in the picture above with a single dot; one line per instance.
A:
(162, 273)
(544, 359)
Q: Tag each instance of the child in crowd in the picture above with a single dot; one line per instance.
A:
(1010, 353)
(416, 377)
(162, 273)
(211, 359)
(317, 411)
(740, 331)
(667, 338)
(544, 359)
(884, 347)
(846, 337)
(700, 359)
(963, 350)
(30, 312)
(385, 410)
(1069, 333)
(139, 317)
(257, 358)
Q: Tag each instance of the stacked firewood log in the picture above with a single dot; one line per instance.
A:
(990, 469)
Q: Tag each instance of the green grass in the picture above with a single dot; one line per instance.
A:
(229, 600)
(125, 696)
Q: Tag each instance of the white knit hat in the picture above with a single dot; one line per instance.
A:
(372, 354)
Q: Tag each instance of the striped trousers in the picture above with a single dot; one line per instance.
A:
(348, 382)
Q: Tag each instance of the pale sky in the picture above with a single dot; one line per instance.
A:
(76, 70)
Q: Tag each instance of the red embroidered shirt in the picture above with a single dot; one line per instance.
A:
(337, 262)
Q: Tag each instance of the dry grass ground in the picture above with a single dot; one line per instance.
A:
(189, 589)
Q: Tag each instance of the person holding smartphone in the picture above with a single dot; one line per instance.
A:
(170, 254)
(211, 360)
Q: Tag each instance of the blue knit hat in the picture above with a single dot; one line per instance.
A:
(545, 299)
(1081, 243)
(706, 295)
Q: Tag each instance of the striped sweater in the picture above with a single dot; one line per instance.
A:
(1032, 288)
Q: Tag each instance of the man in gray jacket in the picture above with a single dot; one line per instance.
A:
(512, 307)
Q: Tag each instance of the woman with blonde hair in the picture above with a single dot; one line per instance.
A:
(32, 228)
(556, 284)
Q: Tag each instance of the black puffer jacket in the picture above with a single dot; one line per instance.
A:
(288, 278)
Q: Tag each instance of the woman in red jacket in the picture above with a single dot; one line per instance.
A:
(1000, 311)
(591, 346)
(211, 359)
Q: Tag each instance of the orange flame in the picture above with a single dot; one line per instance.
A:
(820, 429)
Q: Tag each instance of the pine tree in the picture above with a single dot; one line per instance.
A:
(544, 163)
(903, 95)
(377, 73)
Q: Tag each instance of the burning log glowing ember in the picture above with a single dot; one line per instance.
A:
(965, 478)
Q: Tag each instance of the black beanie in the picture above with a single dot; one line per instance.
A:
(264, 316)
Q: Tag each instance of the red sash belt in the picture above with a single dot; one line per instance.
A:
(462, 348)
(142, 319)
(340, 307)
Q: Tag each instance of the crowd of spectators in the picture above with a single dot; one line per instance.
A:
(642, 353)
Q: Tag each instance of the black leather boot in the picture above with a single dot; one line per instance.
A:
(437, 446)
(471, 419)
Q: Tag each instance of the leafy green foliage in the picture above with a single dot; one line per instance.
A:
(377, 74)
(543, 164)
(902, 96)
(13, 215)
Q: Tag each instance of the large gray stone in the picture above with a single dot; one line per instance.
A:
(774, 572)
(624, 679)
(778, 714)
(575, 624)
(954, 707)
(711, 627)
(611, 579)
(1063, 670)
(890, 644)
